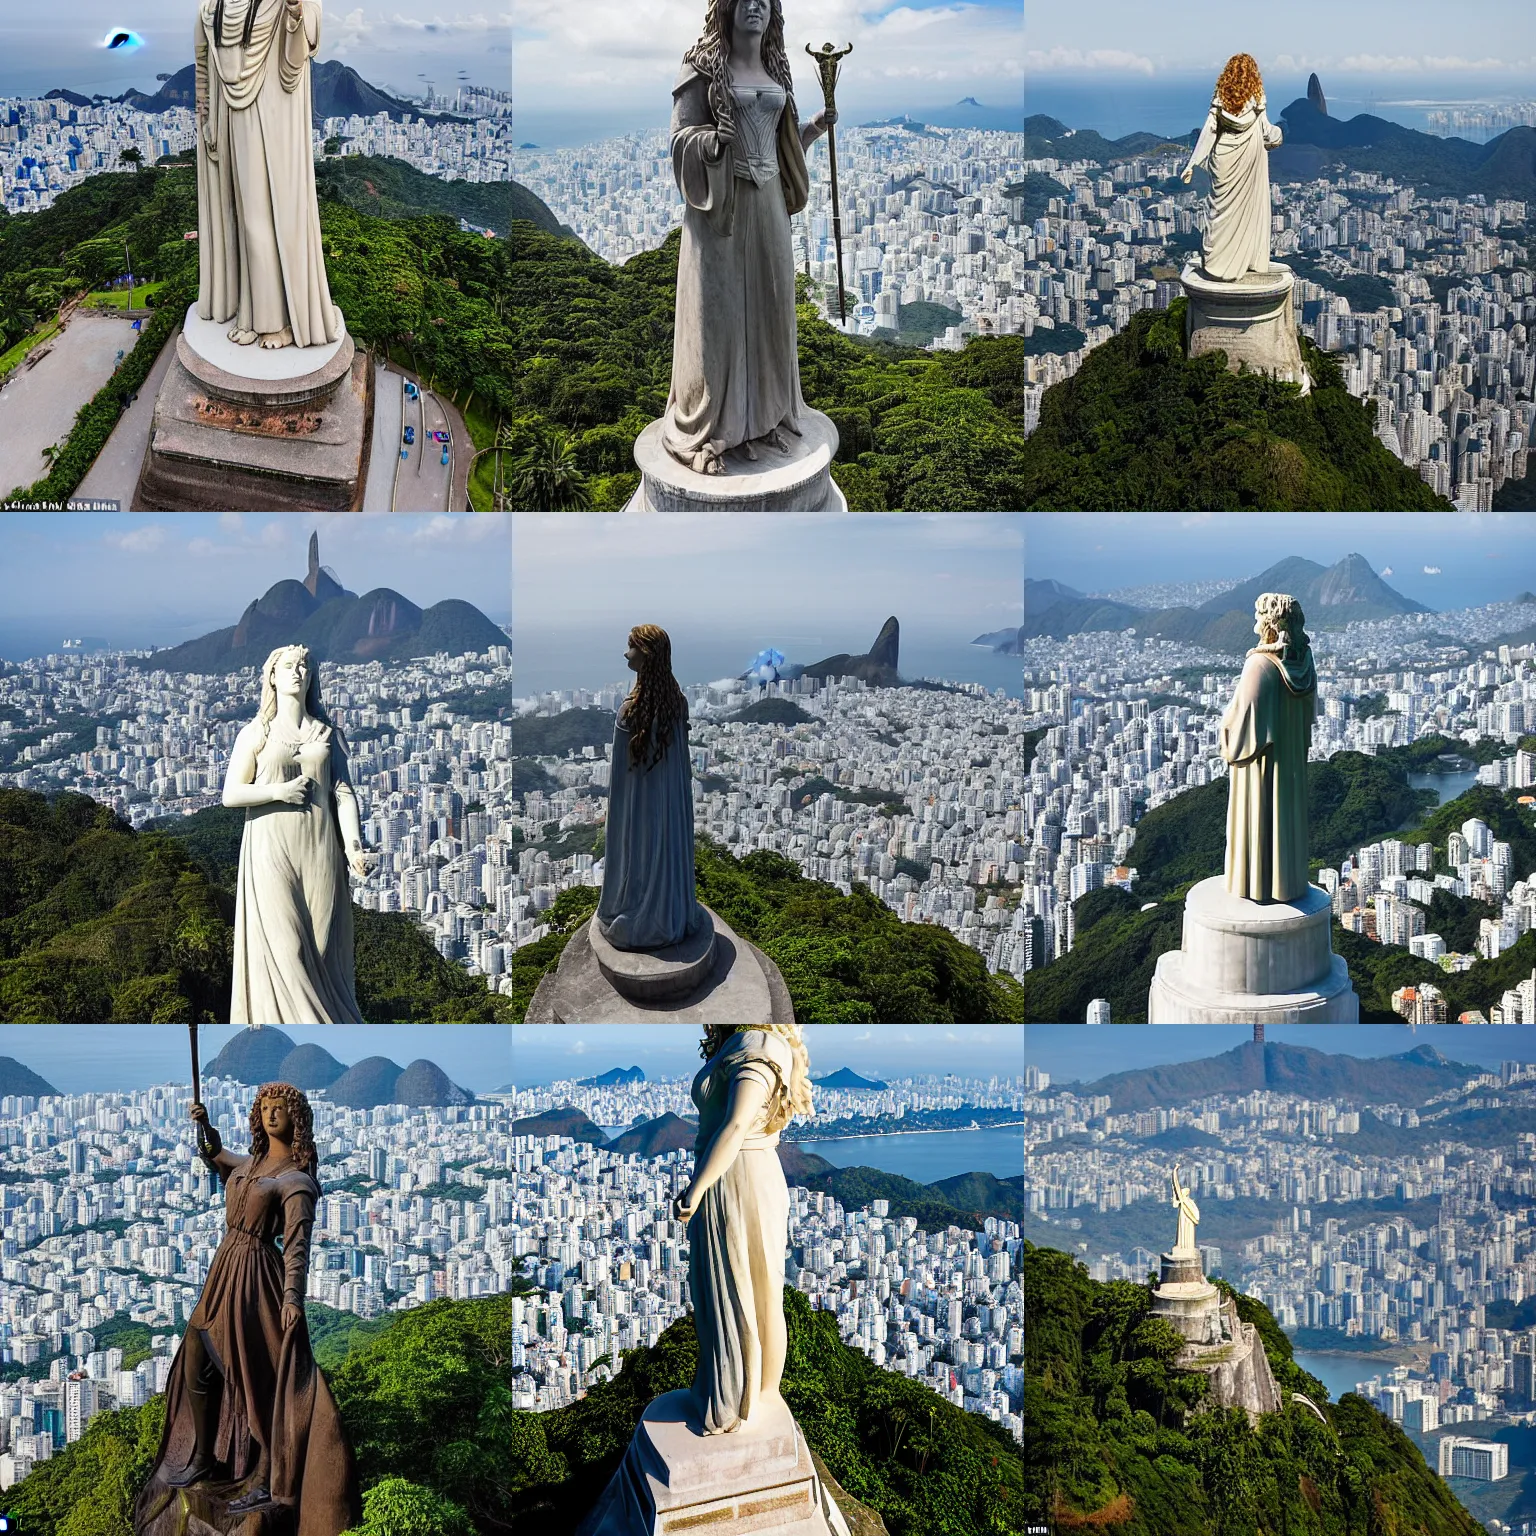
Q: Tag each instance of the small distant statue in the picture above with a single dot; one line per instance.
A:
(250, 1424)
(736, 1209)
(738, 155)
(1233, 144)
(293, 961)
(260, 258)
(1266, 734)
(1189, 1217)
(649, 899)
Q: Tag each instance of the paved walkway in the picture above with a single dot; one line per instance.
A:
(384, 457)
(115, 474)
(38, 405)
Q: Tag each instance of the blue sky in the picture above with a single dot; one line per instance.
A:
(545, 1053)
(614, 54)
(137, 579)
(1473, 558)
(1408, 41)
(43, 46)
(84, 1058)
(1084, 1053)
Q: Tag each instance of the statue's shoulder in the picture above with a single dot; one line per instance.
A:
(296, 1181)
(761, 1045)
(686, 75)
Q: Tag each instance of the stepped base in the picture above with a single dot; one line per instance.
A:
(657, 975)
(1252, 320)
(675, 1478)
(797, 481)
(741, 985)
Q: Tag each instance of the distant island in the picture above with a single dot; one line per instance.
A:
(846, 1077)
(612, 1076)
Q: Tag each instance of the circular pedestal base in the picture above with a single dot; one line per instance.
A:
(655, 975)
(797, 481)
(257, 376)
(1252, 320)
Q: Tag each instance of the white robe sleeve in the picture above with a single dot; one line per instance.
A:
(1206, 142)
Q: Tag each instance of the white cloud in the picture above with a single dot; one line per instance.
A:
(474, 528)
(144, 540)
(232, 522)
(1431, 570)
(202, 548)
(273, 535)
(1386, 571)
(579, 1048)
(1116, 60)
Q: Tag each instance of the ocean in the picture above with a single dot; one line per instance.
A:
(930, 1155)
(1339, 1373)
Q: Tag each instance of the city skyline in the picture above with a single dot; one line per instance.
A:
(137, 579)
(390, 50)
(548, 1053)
(107, 1058)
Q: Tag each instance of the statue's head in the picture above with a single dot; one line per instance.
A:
(280, 1112)
(655, 704)
(1239, 83)
(798, 1099)
(1278, 619)
(724, 19)
(289, 671)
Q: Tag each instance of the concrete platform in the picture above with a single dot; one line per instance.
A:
(209, 341)
(742, 986)
(797, 481)
(657, 975)
(674, 1478)
(1252, 320)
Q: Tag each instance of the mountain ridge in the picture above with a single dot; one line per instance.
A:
(877, 666)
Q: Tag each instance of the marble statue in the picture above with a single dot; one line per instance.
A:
(293, 906)
(738, 155)
(649, 900)
(1233, 145)
(737, 1211)
(252, 1440)
(1189, 1217)
(1265, 736)
(261, 264)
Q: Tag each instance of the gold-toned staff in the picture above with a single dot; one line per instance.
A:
(197, 1089)
(827, 60)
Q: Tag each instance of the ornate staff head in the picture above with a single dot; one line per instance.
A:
(827, 61)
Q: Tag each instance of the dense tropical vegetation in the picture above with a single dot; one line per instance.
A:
(102, 924)
(426, 1404)
(1119, 1440)
(845, 959)
(895, 1445)
(1143, 427)
(918, 431)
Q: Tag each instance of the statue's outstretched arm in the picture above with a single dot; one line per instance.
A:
(1204, 144)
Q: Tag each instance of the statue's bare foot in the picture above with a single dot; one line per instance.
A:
(707, 462)
(774, 439)
(242, 338)
(271, 340)
(750, 451)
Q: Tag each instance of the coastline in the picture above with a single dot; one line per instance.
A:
(939, 1130)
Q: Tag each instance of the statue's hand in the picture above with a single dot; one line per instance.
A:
(362, 863)
(292, 1315)
(292, 791)
(199, 1113)
(686, 1205)
(1187, 175)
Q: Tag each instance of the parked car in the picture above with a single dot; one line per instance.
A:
(445, 455)
(410, 434)
(411, 391)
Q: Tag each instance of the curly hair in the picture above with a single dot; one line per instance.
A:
(796, 1100)
(1281, 612)
(655, 706)
(267, 712)
(711, 56)
(1239, 83)
(304, 1154)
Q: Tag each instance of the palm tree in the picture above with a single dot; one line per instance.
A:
(545, 475)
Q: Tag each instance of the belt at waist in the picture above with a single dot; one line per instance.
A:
(760, 1143)
(761, 173)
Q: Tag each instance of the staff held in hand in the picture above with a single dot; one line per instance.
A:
(827, 61)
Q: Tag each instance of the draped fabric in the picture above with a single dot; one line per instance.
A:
(1234, 147)
(738, 1237)
(260, 259)
(293, 961)
(272, 1396)
(1265, 734)
(735, 361)
(649, 899)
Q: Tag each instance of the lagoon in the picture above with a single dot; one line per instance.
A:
(930, 1155)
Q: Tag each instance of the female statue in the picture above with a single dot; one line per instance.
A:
(737, 1210)
(648, 899)
(1233, 143)
(293, 908)
(260, 260)
(1189, 1217)
(738, 155)
(1265, 736)
(248, 1415)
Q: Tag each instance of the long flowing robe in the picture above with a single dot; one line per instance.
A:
(649, 899)
(272, 1395)
(1265, 734)
(1235, 148)
(735, 360)
(293, 961)
(260, 259)
(738, 1237)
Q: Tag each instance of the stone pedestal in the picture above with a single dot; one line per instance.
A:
(204, 1510)
(797, 481)
(713, 977)
(1249, 962)
(675, 1478)
(1252, 320)
(243, 429)
(1187, 1300)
